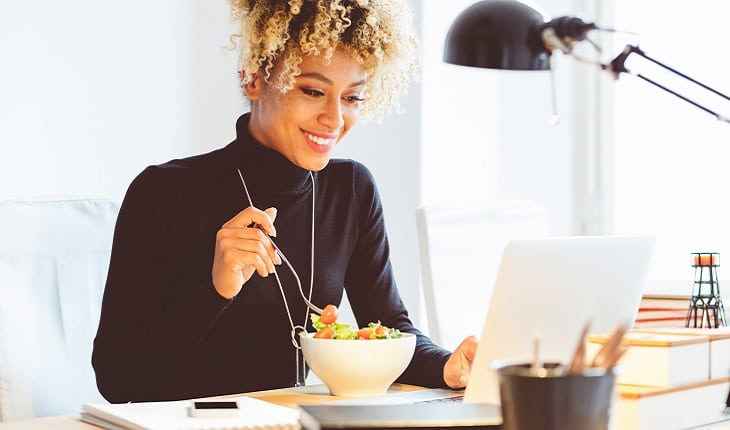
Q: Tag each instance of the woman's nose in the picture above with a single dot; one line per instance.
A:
(332, 116)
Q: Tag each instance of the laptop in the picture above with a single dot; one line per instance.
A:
(550, 288)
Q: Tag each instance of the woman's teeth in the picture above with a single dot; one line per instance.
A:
(320, 140)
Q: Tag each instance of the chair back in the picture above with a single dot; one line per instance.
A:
(460, 250)
(54, 256)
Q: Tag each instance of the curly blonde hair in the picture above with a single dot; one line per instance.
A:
(377, 33)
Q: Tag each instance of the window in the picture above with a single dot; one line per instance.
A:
(671, 160)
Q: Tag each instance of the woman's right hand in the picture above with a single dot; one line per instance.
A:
(242, 248)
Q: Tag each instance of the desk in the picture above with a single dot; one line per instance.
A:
(307, 395)
(311, 394)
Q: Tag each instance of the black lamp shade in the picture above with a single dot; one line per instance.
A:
(498, 34)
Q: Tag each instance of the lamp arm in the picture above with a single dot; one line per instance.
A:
(617, 66)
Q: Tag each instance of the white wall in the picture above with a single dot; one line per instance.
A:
(493, 126)
(459, 118)
(94, 91)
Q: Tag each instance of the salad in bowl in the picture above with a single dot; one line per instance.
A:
(356, 361)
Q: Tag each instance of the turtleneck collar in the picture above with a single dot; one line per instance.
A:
(265, 170)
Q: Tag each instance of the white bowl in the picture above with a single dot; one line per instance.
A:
(357, 368)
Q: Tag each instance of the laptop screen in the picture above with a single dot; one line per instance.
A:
(551, 288)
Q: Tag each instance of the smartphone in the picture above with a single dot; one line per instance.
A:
(214, 409)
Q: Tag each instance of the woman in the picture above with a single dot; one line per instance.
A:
(190, 307)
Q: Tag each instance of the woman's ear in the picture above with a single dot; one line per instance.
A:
(252, 84)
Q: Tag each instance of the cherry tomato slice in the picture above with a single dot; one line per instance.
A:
(329, 314)
(365, 333)
(325, 333)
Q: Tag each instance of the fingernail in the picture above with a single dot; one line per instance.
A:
(463, 379)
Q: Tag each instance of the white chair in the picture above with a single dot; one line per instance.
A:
(460, 251)
(54, 256)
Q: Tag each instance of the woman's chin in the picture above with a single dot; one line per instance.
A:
(315, 165)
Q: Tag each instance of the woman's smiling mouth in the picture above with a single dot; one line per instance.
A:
(321, 140)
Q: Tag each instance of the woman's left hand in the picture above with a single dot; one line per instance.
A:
(458, 366)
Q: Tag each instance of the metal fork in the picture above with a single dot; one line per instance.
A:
(309, 304)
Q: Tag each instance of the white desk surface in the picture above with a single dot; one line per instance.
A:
(312, 394)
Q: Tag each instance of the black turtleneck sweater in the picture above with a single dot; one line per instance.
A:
(164, 332)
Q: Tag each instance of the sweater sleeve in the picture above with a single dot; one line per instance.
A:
(153, 312)
(372, 289)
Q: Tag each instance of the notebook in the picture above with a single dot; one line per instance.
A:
(253, 414)
(549, 286)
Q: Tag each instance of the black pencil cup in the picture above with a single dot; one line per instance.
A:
(550, 399)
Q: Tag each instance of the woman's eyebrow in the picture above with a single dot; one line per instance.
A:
(326, 80)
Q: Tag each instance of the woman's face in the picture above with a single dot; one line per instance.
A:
(305, 123)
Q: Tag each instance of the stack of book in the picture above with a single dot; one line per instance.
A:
(671, 377)
(662, 312)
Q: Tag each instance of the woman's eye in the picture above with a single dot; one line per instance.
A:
(312, 92)
(355, 99)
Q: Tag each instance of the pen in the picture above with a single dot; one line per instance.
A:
(536, 355)
(577, 363)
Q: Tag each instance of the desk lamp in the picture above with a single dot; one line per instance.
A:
(517, 35)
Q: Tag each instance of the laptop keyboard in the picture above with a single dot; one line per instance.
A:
(458, 398)
(429, 395)
(445, 399)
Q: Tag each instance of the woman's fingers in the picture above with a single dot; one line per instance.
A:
(252, 216)
(250, 239)
(243, 247)
(249, 249)
(458, 366)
